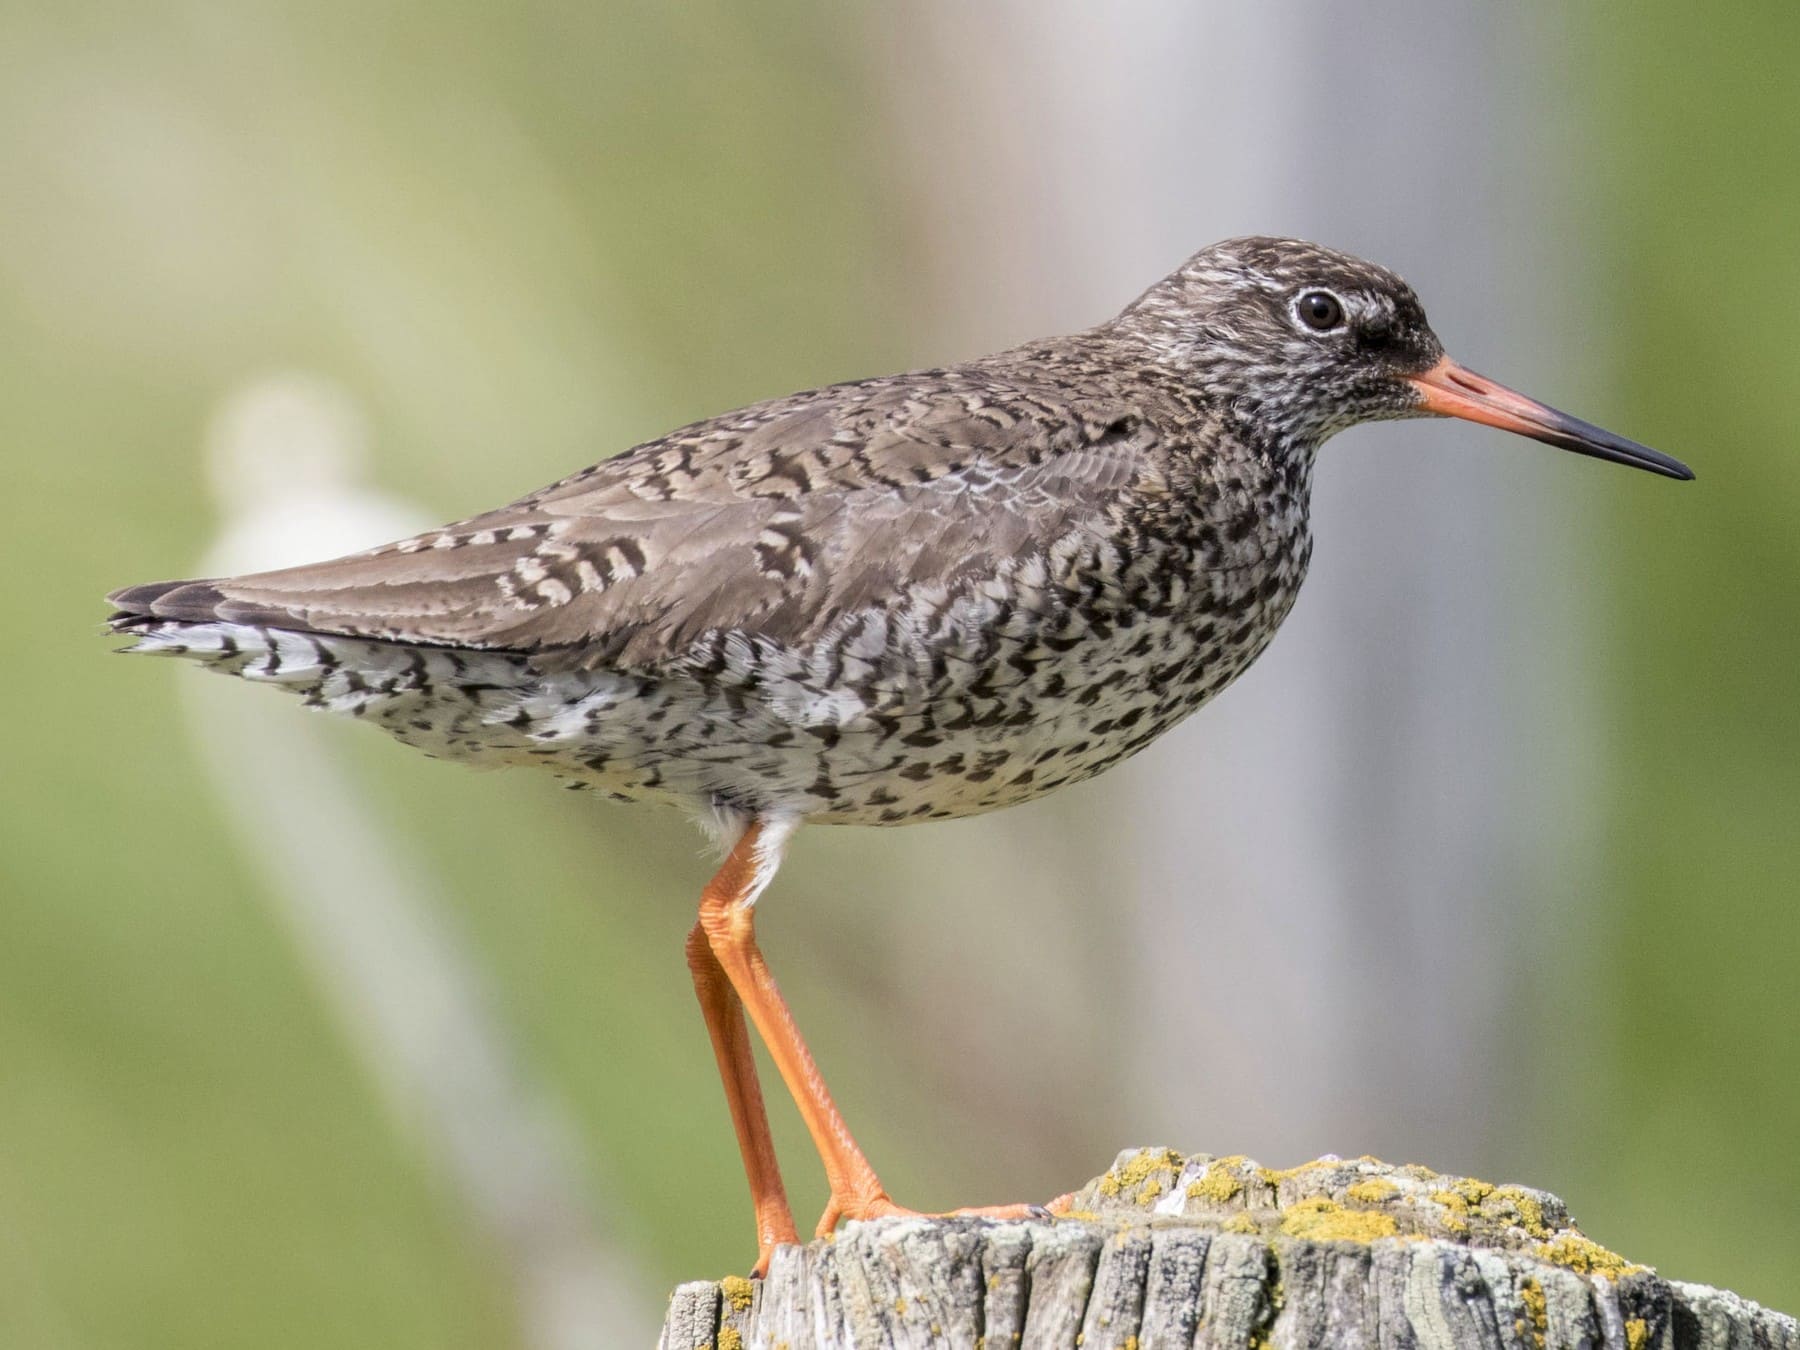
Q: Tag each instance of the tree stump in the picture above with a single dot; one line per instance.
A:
(1171, 1251)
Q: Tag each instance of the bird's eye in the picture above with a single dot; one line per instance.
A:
(1320, 310)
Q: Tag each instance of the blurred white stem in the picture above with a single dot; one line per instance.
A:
(405, 994)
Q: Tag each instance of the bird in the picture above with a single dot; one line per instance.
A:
(882, 602)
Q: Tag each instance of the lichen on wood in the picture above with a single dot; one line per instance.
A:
(1167, 1250)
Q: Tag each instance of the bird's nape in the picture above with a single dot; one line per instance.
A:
(1450, 390)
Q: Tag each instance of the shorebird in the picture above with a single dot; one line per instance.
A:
(893, 600)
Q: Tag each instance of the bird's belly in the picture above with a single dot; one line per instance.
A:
(891, 721)
(895, 734)
(1075, 717)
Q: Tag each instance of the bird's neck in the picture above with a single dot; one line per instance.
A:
(1279, 449)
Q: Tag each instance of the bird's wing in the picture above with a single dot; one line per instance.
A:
(775, 521)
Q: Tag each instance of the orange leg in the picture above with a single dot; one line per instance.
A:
(728, 918)
(737, 1067)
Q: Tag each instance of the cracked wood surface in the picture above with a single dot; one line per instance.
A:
(1166, 1250)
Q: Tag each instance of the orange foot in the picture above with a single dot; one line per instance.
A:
(774, 1228)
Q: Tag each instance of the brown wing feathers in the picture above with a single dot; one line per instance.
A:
(773, 520)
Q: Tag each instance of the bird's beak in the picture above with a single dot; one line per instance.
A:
(1450, 390)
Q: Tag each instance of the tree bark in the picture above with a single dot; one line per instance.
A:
(1202, 1252)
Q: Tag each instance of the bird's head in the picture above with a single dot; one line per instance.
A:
(1305, 341)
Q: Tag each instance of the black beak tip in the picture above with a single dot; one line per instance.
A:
(1642, 457)
(1584, 438)
(1666, 465)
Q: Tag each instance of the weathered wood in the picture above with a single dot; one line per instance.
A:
(1206, 1253)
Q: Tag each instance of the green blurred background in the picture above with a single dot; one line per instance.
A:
(522, 236)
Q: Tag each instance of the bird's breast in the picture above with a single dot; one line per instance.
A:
(965, 700)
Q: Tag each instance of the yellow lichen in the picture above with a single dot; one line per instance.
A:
(1471, 1191)
(1140, 1175)
(1216, 1184)
(1527, 1206)
(1371, 1192)
(1584, 1256)
(900, 1307)
(1476, 1191)
(738, 1292)
(730, 1338)
(1459, 1202)
(1637, 1333)
(1326, 1221)
(1240, 1223)
(1537, 1309)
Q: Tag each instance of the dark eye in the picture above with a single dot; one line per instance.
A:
(1320, 310)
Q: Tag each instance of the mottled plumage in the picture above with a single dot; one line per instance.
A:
(920, 596)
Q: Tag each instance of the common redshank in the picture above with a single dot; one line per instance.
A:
(899, 599)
